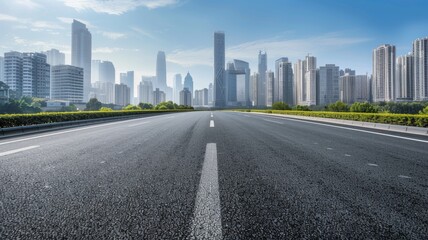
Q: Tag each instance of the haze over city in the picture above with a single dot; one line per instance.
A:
(130, 33)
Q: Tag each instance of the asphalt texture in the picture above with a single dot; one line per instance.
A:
(277, 179)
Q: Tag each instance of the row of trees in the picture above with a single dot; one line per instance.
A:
(95, 105)
(381, 107)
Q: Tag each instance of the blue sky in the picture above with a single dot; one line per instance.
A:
(130, 32)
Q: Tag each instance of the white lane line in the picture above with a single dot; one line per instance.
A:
(329, 148)
(207, 216)
(18, 150)
(267, 120)
(138, 124)
(75, 130)
(211, 123)
(212, 115)
(404, 176)
(353, 129)
(372, 165)
(347, 155)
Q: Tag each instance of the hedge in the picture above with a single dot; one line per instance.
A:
(14, 120)
(416, 120)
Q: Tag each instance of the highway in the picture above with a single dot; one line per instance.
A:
(214, 175)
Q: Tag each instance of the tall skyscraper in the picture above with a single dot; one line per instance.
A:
(219, 64)
(261, 83)
(284, 82)
(230, 80)
(354, 88)
(210, 93)
(67, 83)
(161, 71)
(270, 79)
(310, 81)
(185, 97)
(328, 84)
(35, 75)
(121, 94)
(243, 67)
(145, 92)
(384, 73)
(104, 78)
(55, 57)
(254, 79)
(405, 77)
(158, 96)
(13, 72)
(188, 82)
(128, 79)
(1, 69)
(178, 86)
(81, 53)
(299, 82)
(420, 55)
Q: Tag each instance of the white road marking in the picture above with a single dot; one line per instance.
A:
(18, 150)
(347, 155)
(404, 176)
(212, 115)
(372, 165)
(207, 216)
(329, 148)
(354, 129)
(75, 130)
(267, 120)
(212, 123)
(138, 124)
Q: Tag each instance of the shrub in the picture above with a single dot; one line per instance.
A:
(338, 107)
(105, 109)
(280, 106)
(363, 107)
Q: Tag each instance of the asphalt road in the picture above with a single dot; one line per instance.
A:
(222, 176)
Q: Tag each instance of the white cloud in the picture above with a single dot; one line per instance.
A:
(27, 3)
(113, 35)
(142, 32)
(116, 7)
(276, 48)
(32, 45)
(68, 20)
(9, 18)
(46, 25)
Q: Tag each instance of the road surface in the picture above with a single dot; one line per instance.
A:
(220, 175)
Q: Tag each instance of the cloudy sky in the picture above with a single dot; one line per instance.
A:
(130, 32)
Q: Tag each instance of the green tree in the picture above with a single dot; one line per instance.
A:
(301, 108)
(338, 107)
(93, 105)
(131, 107)
(167, 105)
(424, 111)
(106, 109)
(145, 105)
(280, 106)
(363, 107)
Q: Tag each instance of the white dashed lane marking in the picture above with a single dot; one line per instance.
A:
(212, 123)
(18, 150)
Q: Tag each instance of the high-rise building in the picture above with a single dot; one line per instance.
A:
(384, 73)
(201, 97)
(67, 83)
(54, 57)
(420, 57)
(178, 86)
(261, 83)
(2, 69)
(299, 82)
(328, 84)
(188, 82)
(210, 93)
(185, 97)
(243, 85)
(270, 79)
(145, 91)
(81, 53)
(235, 80)
(35, 75)
(121, 94)
(284, 82)
(161, 71)
(347, 71)
(128, 79)
(276, 94)
(254, 79)
(354, 88)
(310, 67)
(13, 72)
(158, 96)
(104, 77)
(404, 77)
(219, 64)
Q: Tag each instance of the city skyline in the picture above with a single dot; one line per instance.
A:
(121, 33)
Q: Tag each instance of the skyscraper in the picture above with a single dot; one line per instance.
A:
(353, 88)
(405, 77)
(35, 75)
(261, 83)
(210, 93)
(230, 80)
(161, 71)
(55, 57)
(420, 55)
(284, 82)
(13, 72)
(67, 83)
(1, 69)
(328, 84)
(219, 64)
(145, 92)
(299, 82)
(270, 78)
(243, 67)
(310, 81)
(121, 94)
(128, 79)
(384, 73)
(185, 97)
(81, 53)
(104, 78)
(178, 86)
(158, 96)
(188, 82)
(254, 79)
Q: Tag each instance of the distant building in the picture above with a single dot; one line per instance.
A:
(103, 77)
(284, 82)
(161, 71)
(243, 82)
(81, 53)
(420, 58)
(178, 86)
(354, 88)
(13, 71)
(67, 83)
(328, 84)
(235, 83)
(185, 97)
(54, 57)
(210, 94)
(201, 97)
(121, 94)
(311, 80)
(4, 93)
(128, 79)
(1, 69)
(261, 83)
(158, 96)
(145, 91)
(384, 73)
(219, 70)
(270, 80)
(347, 71)
(254, 79)
(299, 82)
(405, 84)
(188, 83)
